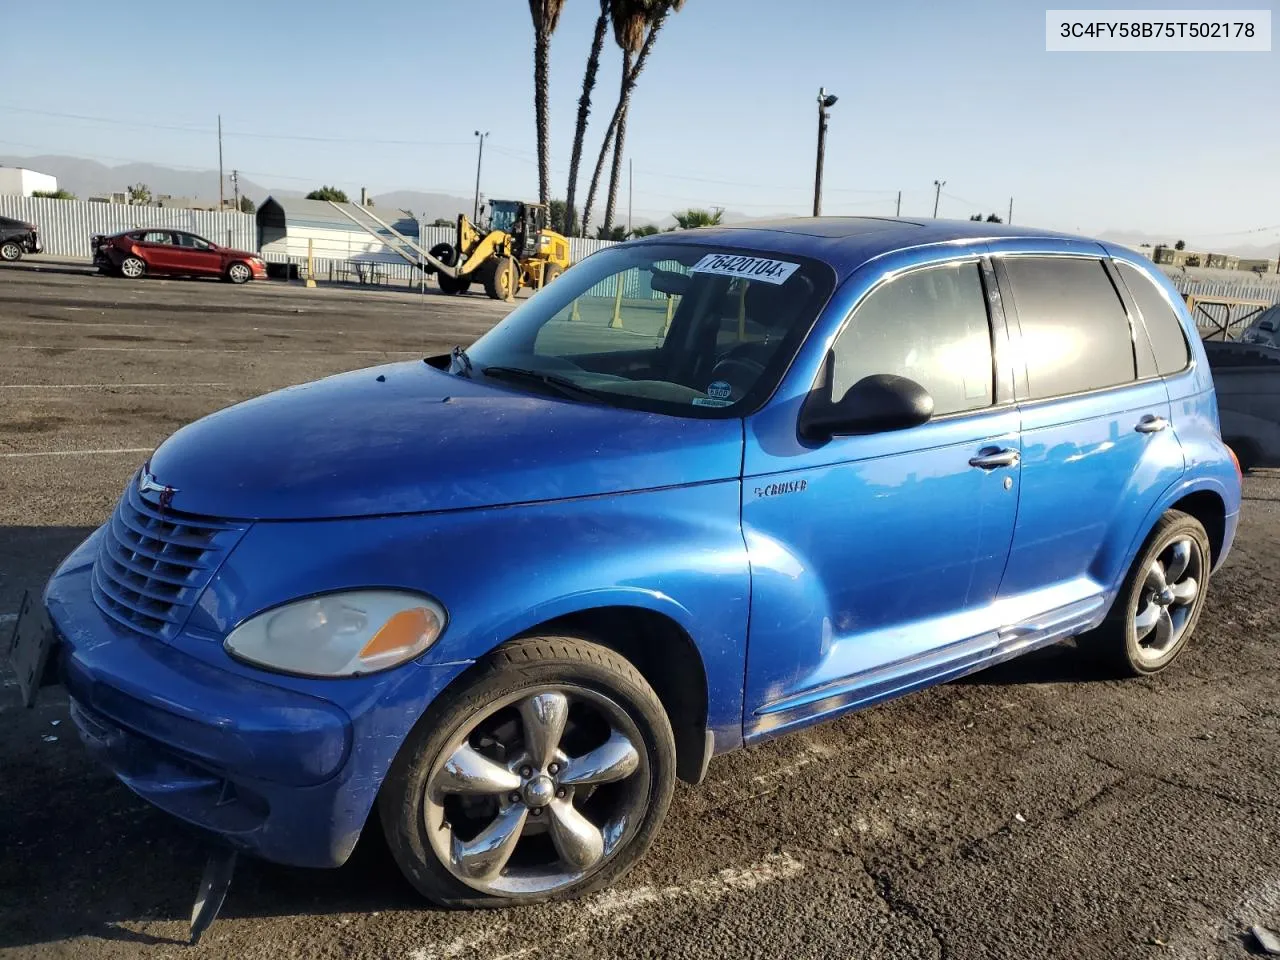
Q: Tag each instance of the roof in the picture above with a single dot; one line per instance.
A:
(286, 212)
(848, 242)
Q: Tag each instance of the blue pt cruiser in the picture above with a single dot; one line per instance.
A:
(705, 488)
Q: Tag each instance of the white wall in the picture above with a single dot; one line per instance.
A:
(22, 182)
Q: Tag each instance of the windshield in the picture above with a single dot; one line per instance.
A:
(502, 215)
(693, 330)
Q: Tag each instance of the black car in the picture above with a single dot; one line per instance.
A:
(17, 238)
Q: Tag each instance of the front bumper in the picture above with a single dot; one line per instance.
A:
(281, 774)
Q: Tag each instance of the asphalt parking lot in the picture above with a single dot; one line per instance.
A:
(1035, 810)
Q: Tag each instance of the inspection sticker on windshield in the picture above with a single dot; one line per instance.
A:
(750, 268)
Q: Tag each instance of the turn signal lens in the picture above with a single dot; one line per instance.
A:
(1236, 460)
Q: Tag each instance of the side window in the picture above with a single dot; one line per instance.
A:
(157, 236)
(929, 325)
(1075, 331)
(1163, 326)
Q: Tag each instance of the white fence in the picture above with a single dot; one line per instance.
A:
(65, 226)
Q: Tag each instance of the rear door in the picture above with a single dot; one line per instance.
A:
(157, 248)
(1097, 448)
(196, 256)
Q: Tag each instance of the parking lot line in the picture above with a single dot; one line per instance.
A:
(77, 453)
(188, 348)
(105, 386)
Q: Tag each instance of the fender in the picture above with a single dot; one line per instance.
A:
(501, 571)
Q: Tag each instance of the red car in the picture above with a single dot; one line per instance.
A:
(135, 253)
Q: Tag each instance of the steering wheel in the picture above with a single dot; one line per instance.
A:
(739, 372)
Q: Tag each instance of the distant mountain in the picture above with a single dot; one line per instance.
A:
(89, 178)
(1135, 240)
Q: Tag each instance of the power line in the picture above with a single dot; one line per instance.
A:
(243, 134)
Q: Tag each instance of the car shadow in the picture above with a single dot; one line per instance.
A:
(1060, 663)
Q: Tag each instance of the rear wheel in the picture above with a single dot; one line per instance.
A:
(132, 267)
(10, 251)
(550, 272)
(1160, 602)
(500, 278)
(239, 272)
(544, 777)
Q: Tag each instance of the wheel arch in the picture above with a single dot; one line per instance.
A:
(657, 645)
(666, 656)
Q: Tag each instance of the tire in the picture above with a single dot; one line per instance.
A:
(451, 286)
(239, 272)
(1119, 643)
(550, 272)
(426, 826)
(500, 278)
(133, 268)
(10, 251)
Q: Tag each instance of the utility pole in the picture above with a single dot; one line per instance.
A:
(1010, 220)
(825, 100)
(631, 192)
(898, 210)
(937, 194)
(479, 157)
(220, 195)
(235, 185)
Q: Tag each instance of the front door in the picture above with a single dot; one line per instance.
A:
(875, 559)
(196, 256)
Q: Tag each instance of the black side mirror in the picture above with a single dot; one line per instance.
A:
(873, 404)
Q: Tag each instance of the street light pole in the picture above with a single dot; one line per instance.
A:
(475, 214)
(937, 194)
(825, 100)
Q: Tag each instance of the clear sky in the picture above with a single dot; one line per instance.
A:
(1171, 143)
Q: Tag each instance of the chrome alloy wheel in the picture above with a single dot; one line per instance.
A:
(537, 791)
(239, 273)
(132, 267)
(1167, 598)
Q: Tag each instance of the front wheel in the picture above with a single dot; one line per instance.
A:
(1160, 602)
(132, 267)
(500, 278)
(10, 251)
(239, 273)
(544, 777)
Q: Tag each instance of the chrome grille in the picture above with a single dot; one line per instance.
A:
(154, 562)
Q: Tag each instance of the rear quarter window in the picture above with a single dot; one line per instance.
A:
(1075, 332)
(1163, 327)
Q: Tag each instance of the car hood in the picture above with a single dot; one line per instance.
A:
(407, 438)
(239, 254)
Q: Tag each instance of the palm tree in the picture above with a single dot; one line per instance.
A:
(695, 217)
(630, 18)
(645, 230)
(546, 15)
(657, 13)
(584, 111)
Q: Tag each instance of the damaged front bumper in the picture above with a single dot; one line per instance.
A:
(281, 774)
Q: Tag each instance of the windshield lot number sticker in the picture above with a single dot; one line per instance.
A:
(719, 390)
(760, 269)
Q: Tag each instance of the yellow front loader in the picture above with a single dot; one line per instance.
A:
(515, 249)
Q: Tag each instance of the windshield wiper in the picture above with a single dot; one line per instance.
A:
(562, 385)
(459, 356)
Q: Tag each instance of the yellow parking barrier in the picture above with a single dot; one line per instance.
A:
(574, 314)
(617, 306)
(311, 272)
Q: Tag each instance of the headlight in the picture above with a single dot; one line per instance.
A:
(339, 634)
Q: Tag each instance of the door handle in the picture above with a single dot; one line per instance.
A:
(991, 458)
(1151, 424)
